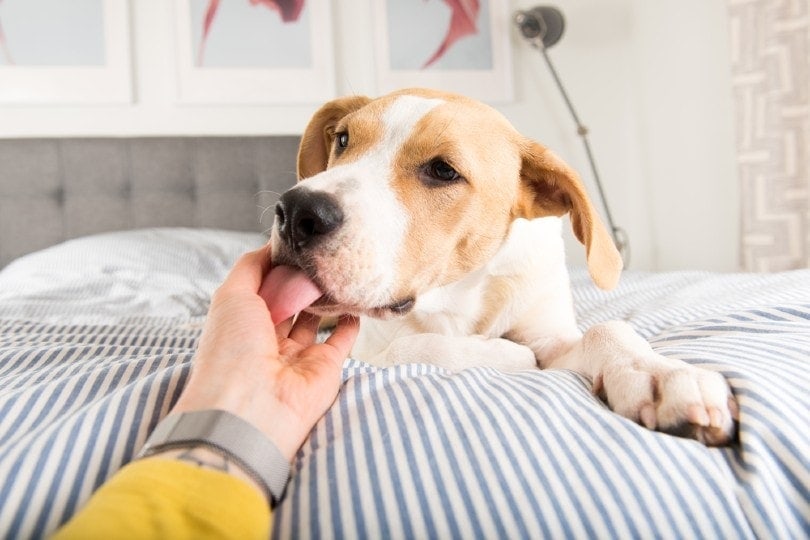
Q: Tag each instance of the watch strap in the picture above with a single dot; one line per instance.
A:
(229, 435)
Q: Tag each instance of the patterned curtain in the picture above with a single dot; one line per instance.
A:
(771, 84)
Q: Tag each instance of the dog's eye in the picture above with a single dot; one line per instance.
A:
(342, 140)
(440, 170)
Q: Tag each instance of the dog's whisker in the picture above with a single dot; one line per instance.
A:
(264, 211)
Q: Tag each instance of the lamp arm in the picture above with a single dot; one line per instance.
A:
(619, 235)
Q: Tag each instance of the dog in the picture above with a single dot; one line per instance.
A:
(427, 214)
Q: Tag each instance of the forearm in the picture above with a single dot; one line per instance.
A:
(191, 493)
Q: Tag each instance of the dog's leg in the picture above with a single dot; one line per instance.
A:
(659, 392)
(457, 352)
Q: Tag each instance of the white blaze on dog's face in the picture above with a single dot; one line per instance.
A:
(403, 194)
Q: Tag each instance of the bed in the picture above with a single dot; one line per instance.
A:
(98, 332)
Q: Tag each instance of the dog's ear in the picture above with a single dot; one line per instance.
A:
(316, 142)
(549, 187)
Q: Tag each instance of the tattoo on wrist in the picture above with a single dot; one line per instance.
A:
(204, 457)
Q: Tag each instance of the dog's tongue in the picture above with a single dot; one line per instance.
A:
(287, 291)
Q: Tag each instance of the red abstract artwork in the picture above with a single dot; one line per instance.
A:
(464, 14)
(289, 10)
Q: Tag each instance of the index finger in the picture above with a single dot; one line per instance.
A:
(344, 335)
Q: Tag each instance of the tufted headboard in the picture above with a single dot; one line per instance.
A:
(56, 189)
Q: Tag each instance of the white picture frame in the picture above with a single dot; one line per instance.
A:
(257, 85)
(492, 83)
(109, 83)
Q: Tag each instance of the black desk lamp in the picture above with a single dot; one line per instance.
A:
(542, 27)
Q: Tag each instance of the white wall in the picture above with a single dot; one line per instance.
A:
(650, 79)
(652, 82)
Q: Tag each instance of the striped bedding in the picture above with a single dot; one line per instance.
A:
(97, 337)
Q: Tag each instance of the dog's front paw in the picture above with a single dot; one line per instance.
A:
(671, 396)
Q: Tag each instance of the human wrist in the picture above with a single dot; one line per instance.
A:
(278, 422)
(278, 425)
(231, 437)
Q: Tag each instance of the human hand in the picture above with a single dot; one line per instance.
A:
(274, 376)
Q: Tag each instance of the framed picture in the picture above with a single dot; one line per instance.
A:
(456, 45)
(58, 52)
(254, 51)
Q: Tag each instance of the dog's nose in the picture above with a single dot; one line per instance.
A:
(304, 217)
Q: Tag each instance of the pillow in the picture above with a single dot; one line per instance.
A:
(163, 273)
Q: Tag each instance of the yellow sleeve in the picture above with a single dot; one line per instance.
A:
(164, 498)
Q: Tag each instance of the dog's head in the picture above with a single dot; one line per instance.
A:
(411, 191)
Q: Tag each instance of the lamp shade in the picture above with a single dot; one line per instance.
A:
(543, 23)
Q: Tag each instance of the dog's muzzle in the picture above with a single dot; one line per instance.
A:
(305, 217)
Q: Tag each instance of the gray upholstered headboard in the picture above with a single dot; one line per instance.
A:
(55, 189)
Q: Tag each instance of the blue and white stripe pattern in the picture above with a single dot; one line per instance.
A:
(415, 452)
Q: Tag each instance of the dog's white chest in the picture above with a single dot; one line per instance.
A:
(487, 302)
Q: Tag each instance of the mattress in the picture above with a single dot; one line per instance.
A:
(97, 336)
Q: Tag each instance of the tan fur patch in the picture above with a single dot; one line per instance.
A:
(365, 132)
(499, 292)
(550, 187)
(317, 140)
(454, 228)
